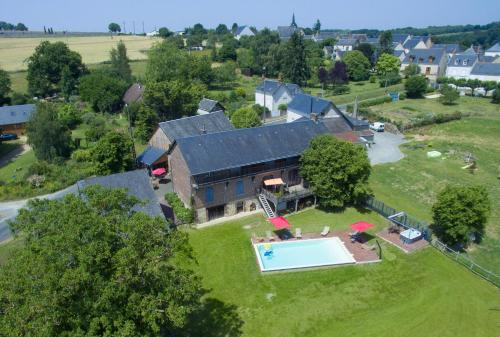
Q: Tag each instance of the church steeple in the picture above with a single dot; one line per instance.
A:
(293, 21)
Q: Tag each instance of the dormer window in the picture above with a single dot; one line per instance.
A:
(431, 59)
(420, 59)
(457, 62)
(465, 62)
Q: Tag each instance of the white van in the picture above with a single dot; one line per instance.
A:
(377, 126)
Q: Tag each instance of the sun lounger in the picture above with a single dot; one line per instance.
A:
(269, 236)
(325, 231)
(298, 233)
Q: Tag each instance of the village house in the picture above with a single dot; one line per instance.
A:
(432, 62)
(13, 118)
(461, 64)
(229, 172)
(494, 51)
(417, 42)
(486, 72)
(347, 44)
(272, 93)
(207, 106)
(243, 31)
(321, 36)
(155, 155)
(133, 94)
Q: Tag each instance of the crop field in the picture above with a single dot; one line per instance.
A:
(94, 49)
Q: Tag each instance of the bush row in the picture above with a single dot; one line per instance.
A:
(184, 215)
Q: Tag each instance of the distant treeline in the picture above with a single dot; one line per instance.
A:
(465, 35)
(9, 26)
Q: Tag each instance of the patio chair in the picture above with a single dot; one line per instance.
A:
(298, 233)
(325, 231)
(269, 236)
(354, 236)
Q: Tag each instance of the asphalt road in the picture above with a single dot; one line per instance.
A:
(9, 209)
(386, 148)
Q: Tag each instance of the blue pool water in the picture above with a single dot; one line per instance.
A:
(302, 254)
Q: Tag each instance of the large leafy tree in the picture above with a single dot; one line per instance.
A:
(415, 86)
(460, 212)
(338, 73)
(90, 266)
(173, 99)
(146, 122)
(385, 42)
(411, 70)
(45, 67)
(164, 32)
(387, 64)
(295, 67)
(103, 91)
(47, 134)
(317, 26)
(367, 50)
(120, 63)
(337, 171)
(496, 95)
(245, 118)
(221, 29)
(112, 153)
(166, 62)
(114, 27)
(358, 66)
(5, 88)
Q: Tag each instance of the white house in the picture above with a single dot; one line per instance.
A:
(243, 31)
(272, 93)
(493, 51)
(461, 64)
(417, 42)
(153, 33)
(432, 62)
(486, 72)
(346, 44)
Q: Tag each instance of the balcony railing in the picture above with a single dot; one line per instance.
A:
(292, 193)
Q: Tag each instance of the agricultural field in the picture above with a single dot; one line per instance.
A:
(94, 49)
(413, 183)
(425, 292)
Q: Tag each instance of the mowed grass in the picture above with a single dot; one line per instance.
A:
(410, 108)
(94, 49)
(420, 294)
(413, 183)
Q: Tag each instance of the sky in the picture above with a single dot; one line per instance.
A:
(95, 15)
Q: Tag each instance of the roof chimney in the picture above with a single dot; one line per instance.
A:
(314, 117)
(203, 129)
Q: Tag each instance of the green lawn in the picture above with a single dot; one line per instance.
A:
(413, 183)
(410, 108)
(421, 294)
(362, 90)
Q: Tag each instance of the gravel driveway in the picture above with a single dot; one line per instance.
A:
(386, 148)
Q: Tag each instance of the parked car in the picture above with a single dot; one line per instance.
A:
(8, 136)
(377, 126)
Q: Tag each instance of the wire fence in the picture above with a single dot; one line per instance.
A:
(466, 262)
(408, 221)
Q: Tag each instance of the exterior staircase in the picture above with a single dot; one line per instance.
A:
(265, 205)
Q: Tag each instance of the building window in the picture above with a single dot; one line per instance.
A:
(240, 187)
(209, 194)
(239, 207)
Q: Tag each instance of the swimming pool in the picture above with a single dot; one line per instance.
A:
(302, 254)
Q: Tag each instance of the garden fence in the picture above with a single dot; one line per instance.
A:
(408, 221)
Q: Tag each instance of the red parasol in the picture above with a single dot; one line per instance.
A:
(361, 226)
(280, 222)
(159, 171)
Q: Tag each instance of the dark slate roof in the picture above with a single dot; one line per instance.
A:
(271, 86)
(491, 69)
(196, 125)
(411, 43)
(306, 104)
(347, 42)
(134, 93)
(398, 53)
(138, 185)
(487, 59)
(399, 38)
(336, 124)
(325, 35)
(150, 155)
(239, 30)
(457, 60)
(209, 105)
(16, 114)
(494, 48)
(372, 40)
(241, 147)
(449, 48)
(285, 32)
(421, 56)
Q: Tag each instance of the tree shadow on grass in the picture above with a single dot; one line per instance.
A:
(214, 319)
